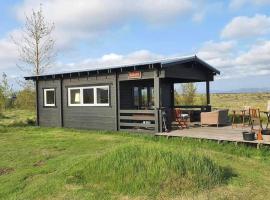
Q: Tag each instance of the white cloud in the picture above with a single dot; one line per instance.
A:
(212, 50)
(237, 4)
(243, 27)
(234, 63)
(7, 54)
(108, 60)
(84, 19)
(258, 55)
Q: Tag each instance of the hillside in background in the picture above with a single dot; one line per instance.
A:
(244, 90)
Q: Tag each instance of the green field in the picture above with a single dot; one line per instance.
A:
(54, 163)
(238, 101)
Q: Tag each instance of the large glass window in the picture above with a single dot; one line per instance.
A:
(75, 96)
(89, 96)
(103, 95)
(49, 97)
(143, 97)
(136, 96)
(151, 97)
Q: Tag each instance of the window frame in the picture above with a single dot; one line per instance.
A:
(95, 96)
(45, 104)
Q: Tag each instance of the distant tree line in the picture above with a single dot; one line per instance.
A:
(22, 99)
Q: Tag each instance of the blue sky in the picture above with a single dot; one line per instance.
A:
(232, 35)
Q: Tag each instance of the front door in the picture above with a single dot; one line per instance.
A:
(143, 97)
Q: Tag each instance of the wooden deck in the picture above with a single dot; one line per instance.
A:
(220, 134)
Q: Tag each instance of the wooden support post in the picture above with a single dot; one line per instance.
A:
(172, 95)
(61, 103)
(118, 107)
(207, 93)
(160, 120)
(157, 99)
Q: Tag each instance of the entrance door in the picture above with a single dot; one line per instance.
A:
(143, 97)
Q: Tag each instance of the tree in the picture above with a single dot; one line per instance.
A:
(36, 45)
(6, 92)
(188, 93)
(2, 101)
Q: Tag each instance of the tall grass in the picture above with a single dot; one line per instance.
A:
(150, 171)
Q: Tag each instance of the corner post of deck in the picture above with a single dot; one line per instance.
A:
(157, 99)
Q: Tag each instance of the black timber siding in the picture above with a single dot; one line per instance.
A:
(90, 117)
(188, 72)
(49, 116)
(146, 74)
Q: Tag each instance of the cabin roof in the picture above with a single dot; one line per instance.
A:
(159, 64)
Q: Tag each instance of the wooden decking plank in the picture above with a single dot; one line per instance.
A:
(210, 133)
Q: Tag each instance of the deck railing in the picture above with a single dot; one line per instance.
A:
(138, 120)
(203, 108)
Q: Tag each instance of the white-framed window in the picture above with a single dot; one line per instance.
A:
(88, 96)
(49, 97)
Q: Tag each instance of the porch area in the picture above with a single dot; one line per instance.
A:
(220, 134)
(146, 98)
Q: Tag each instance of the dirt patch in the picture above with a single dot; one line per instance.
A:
(39, 163)
(5, 170)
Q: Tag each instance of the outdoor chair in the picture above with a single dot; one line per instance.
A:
(217, 117)
(267, 113)
(255, 118)
(243, 114)
(181, 118)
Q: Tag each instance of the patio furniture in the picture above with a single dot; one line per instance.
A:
(244, 116)
(181, 118)
(267, 113)
(217, 117)
(267, 117)
(255, 118)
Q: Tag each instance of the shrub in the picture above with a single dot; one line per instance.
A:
(30, 122)
(26, 99)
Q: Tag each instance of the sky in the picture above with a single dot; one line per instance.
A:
(231, 35)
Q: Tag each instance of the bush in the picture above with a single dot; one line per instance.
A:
(26, 99)
(31, 122)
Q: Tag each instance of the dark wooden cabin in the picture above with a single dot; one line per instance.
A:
(117, 98)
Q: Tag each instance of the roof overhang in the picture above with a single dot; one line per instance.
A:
(158, 64)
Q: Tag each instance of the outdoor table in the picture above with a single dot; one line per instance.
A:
(242, 114)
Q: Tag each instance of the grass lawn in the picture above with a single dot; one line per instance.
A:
(238, 101)
(54, 163)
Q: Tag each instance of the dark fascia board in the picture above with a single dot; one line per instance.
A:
(191, 59)
(125, 68)
(98, 71)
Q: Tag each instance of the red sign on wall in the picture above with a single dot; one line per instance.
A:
(135, 75)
